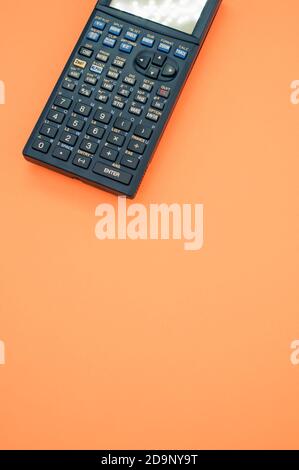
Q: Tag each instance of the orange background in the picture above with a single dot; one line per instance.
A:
(126, 344)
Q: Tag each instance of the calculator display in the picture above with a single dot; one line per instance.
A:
(178, 14)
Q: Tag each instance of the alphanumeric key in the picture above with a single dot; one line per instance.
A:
(130, 162)
(49, 131)
(136, 146)
(89, 146)
(109, 154)
(82, 162)
(102, 96)
(102, 116)
(144, 132)
(68, 138)
(55, 116)
(68, 85)
(95, 131)
(116, 139)
(85, 90)
(61, 153)
(123, 124)
(41, 145)
(76, 124)
(63, 102)
(82, 109)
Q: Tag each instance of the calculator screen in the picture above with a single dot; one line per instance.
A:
(179, 14)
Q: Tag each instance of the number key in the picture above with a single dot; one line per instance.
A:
(49, 131)
(82, 109)
(89, 146)
(68, 138)
(95, 131)
(41, 145)
(55, 116)
(103, 116)
(63, 102)
(76, 124)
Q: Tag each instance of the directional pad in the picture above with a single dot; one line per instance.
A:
(156, 66)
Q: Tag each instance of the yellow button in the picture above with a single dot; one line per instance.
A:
(80, 63)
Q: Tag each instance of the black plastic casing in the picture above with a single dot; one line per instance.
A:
(194, 43)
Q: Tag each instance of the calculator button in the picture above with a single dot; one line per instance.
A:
(124, 91)
(118, 103)
(135, 110)
(131, 36)
(109, 154)
(96, 69)
(102, 116)
(102, 97)
(89, 146)
(41, 145)
(85, 91)
(169, 71)
(153, 72)
(113, 74)
(95, 131)
(82, 109)
(164, 47)
(115, 30)
(148, 42)
(55, 116)
(152, 116)
(159, 59)
(119, 62)
(130, 162)
(143, 60)
(143, 132)
(68, 138)
(141, 98)
(49, 131)
(125, 47)
(116, 139)
(76, 74)
(164, 92)
(112, 173)
(147, 87)
(123, 124)
(82, 162)
(91, 80)
(100, 25)
(130, 80)
(181, 54)
(102, 57)
(80, 63)
(92, 36)
(63, 102)
(136, 146)
(158, 103)
(68, 85)
(109, 42)
(76, 124)
(85, 52)
(61, 153)
(107, 85)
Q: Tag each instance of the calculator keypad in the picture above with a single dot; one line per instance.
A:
(105, 113)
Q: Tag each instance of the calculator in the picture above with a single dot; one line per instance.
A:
(111, 104)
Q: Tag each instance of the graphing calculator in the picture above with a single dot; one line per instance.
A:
(110, 106)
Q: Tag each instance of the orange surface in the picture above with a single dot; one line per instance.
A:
(141, 344)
